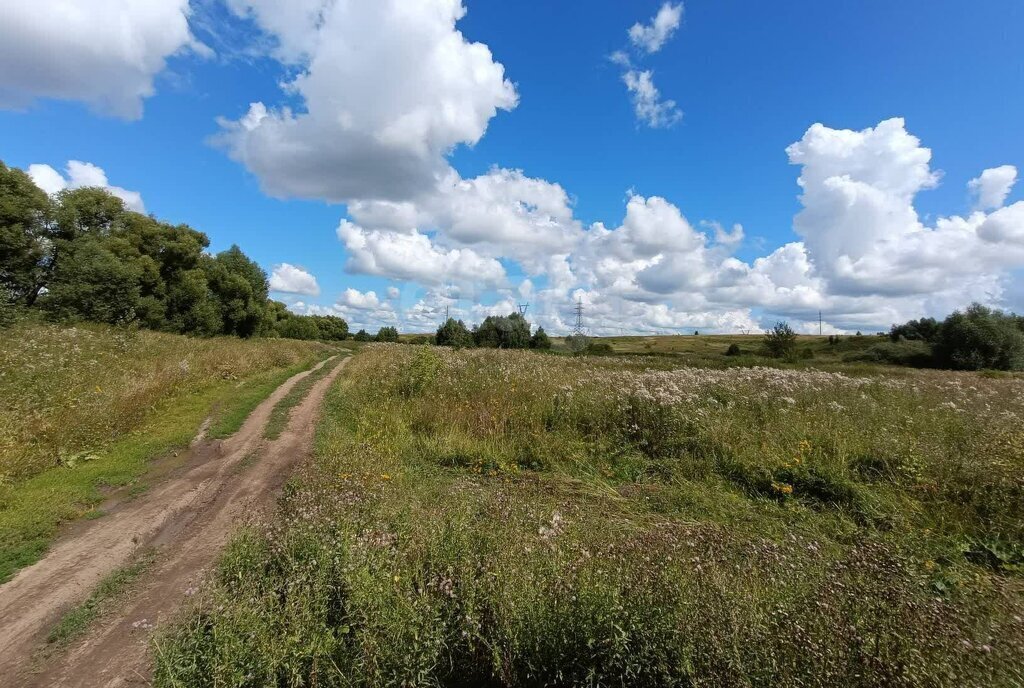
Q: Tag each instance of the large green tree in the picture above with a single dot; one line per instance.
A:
(25, 240)
(81, 255)
(240, 287)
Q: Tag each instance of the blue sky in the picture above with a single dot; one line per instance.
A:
(750, 79)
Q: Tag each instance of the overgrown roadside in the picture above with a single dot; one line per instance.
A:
(187, 518)
(84, 410)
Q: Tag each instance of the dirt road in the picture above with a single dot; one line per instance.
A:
(188, 518)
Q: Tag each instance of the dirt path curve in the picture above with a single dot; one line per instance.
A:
(188, 518)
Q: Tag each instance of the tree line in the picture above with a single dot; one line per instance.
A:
(977, 338)
(82, 256)
(495, 332)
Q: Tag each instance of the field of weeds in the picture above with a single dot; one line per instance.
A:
(497, 518)
(82, 408)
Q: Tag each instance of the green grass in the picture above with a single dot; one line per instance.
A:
(85, 410)
(505, 519)
(76, 622)
(246, 398)
(282, 411)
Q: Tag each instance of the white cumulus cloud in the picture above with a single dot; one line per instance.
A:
(289, 279)
(414, 257)
(650, 108)
(387, 89)
(651, 37)
(993, 186)
(82, 174)
(105, 53)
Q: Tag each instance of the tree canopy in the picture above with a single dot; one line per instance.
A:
(82, 256)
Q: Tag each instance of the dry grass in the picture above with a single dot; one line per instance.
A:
(506, 518)
(68, 391)
(84, 409)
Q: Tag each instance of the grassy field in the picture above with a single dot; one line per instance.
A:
(84, 409)
(500, 518)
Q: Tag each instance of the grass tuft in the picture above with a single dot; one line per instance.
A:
(282, 411)
(76, 622)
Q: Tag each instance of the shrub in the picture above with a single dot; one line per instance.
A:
(912, 353)
(925, 330)
(599, 349)
(734, 350)
(363, 336)
(540, 339)
(780, 341)
(299, 327)
(454, 333)
(980, 338)
(331, 327)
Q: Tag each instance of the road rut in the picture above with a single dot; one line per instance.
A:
(188, 518)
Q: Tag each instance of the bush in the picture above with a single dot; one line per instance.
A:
(780, 341)
(387, 334)
(299, 327)
(363, 336)
(925, 330)
(980, 338)
(540, 339)
(734, 350)
(454, 333)
(331, 327)
(599, 349)
(912, 353)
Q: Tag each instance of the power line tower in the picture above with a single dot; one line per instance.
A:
(578, 330)
(819, 323)
(523, 307)
(578, 340)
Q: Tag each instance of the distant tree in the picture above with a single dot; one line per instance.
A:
(503, 332)
(925, 330)
(599, 348)
(780, 341)
(486, 333)
(332, 328)
(299, 327)
(387, 334)
(696, 333)
(980, 338)
(454, 333)
(517, 334)
(363, 336)
(540, 340)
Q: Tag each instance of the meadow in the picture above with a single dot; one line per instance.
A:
(504, 518)
(84, 409)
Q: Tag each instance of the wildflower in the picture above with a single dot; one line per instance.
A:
(385, 476)
(782, 488)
